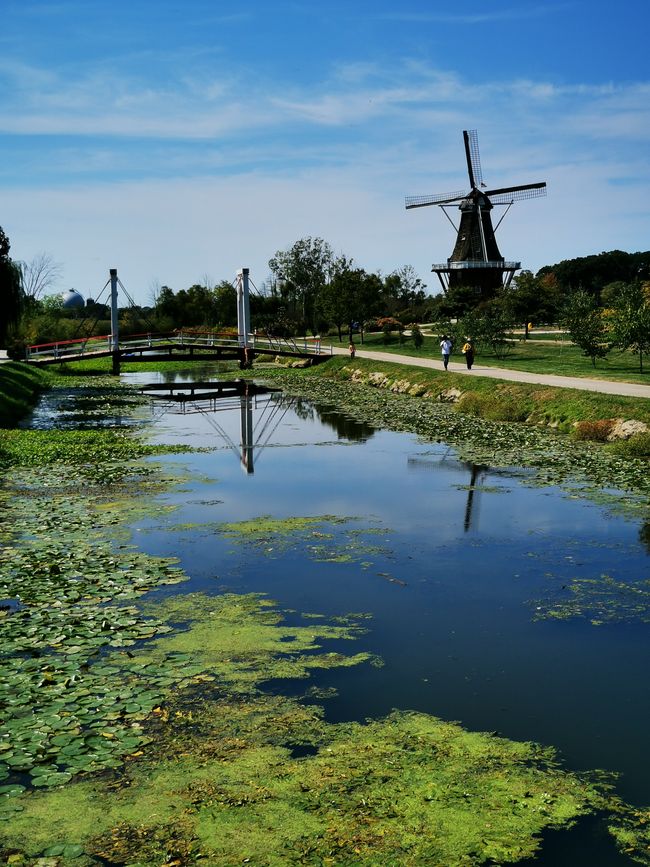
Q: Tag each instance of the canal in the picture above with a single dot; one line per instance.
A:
(492, 600)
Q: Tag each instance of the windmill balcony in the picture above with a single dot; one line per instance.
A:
(463, 264)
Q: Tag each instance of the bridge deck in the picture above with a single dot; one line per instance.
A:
(189, 391)
(179, 346)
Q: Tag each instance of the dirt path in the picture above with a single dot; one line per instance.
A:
(627, 389)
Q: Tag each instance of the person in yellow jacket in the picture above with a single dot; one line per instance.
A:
(468, 352)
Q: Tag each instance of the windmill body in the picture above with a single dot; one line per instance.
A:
(476, 259)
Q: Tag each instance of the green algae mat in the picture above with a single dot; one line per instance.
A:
(136, 727)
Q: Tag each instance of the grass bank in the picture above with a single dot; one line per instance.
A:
(20, 386)
(561, 408)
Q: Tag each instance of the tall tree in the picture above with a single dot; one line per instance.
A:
(39, 275)
(226, 301)
(336, 299)
(487, 325)
(195, 306)
(11, 293)
(350, 298)
(300, 273)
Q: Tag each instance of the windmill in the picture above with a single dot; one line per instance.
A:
(476, 260)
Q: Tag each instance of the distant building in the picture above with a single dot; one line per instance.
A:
(72, 300)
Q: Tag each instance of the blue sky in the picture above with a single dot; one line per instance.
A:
(178, 141)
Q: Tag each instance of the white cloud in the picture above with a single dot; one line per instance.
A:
(333, 159)
(176, 230)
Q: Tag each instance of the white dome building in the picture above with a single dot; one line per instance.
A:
(72, 300)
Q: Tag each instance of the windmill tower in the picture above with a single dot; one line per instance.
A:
(475, 260)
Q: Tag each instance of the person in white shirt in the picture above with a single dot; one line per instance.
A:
(445, 348)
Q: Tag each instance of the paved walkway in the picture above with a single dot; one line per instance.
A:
(627, 389)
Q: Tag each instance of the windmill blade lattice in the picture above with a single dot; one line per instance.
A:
(516, 194)
(473, 158)
(439, 199)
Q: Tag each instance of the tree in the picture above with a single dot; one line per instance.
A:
(611, 292)
(488, 325)
(351, 297)
(11, 294)
(456, 301)
(366, 300)
(301, 273)
(531, 298)
(226, 301)
(39, 275)
(403, 295)
(335, 302)
(166, 303)
(416, 335)
(195, 306)
(593, 273)
(586, 324)
(629, 319)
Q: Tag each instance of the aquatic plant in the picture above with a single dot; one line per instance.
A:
(600, 600)
(220, 778)
(166, 698)
(325, 538)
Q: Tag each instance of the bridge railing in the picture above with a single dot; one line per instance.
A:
(62, 349)
(312, 345)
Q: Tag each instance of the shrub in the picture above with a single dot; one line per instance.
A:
(503, 407)
(638, 446)
(596, 431)
(416, 334)
(472, 403)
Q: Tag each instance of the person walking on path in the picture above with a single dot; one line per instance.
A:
(445, 349)
(352, 349)
(468, 352)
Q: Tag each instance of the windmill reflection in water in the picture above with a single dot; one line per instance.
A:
(477, 475)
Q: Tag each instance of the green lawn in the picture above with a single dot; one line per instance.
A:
(559, 357)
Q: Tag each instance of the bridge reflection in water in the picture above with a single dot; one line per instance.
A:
(210, 398)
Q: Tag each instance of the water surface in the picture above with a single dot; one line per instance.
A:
(456, 562)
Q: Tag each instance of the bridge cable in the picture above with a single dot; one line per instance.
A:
(134, 305)
(87, 318)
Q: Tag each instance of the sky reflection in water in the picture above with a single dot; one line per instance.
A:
(451, 596)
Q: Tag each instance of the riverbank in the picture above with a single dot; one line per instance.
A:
(20, 386)
(620, 420)
(558, 405)
(617, 420)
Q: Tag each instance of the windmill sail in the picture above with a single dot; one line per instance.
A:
(440, 199)
(473, 158)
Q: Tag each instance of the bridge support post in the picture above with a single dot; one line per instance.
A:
(115, 327)
(247, 436)
(243, 307)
